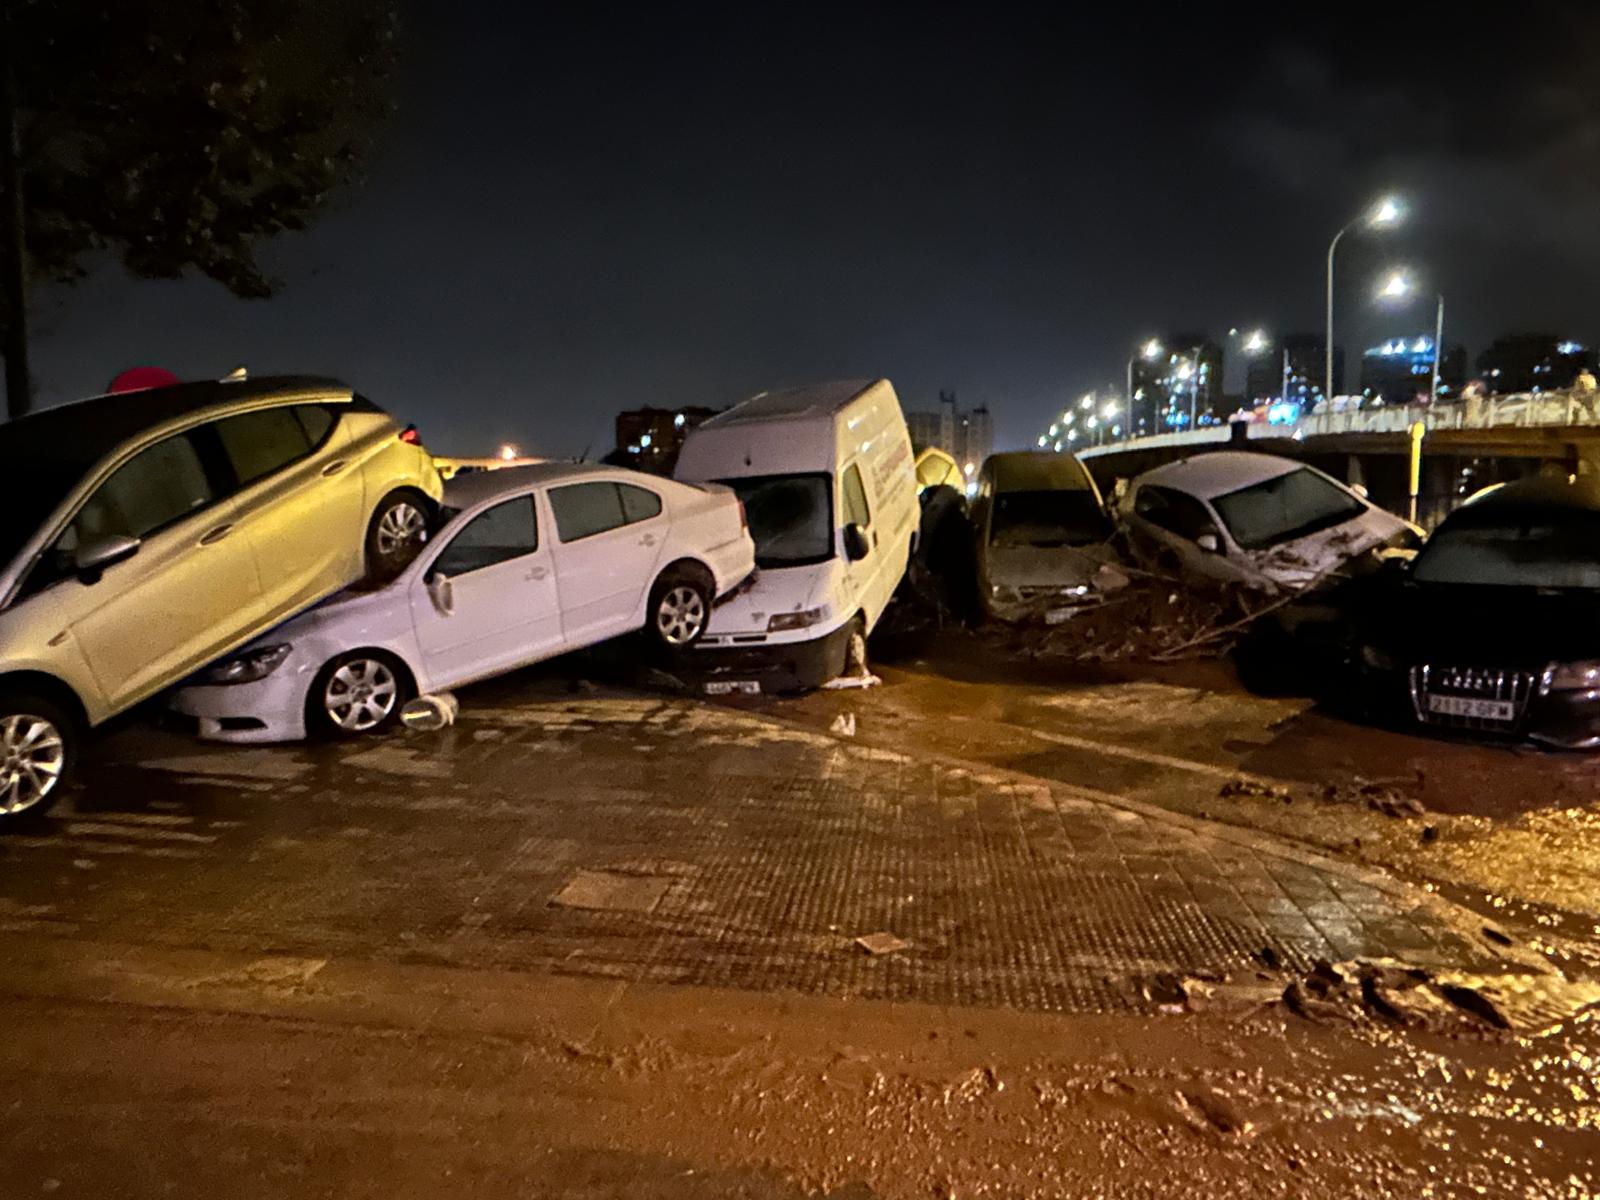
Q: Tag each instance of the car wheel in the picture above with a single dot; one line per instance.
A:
(396, 534)
(38, 749)
(680, 607)
(357, 693)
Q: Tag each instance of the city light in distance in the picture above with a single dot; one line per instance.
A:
(1086, 403)
(1256, 342)
(1152, 349)
(508, 451)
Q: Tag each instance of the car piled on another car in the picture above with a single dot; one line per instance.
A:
(151, 531)
(1255, 519)
(530, 562)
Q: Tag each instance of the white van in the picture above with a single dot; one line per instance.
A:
(827, 479)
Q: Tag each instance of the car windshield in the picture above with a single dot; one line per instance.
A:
(35, 488)
(1559, 552)
(1048, 518)
(1289, 506)
(791, 517)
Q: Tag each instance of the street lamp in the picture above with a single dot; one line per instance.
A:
(1398, 287)
(1385, 215)
(508, 452)
(1256, 342)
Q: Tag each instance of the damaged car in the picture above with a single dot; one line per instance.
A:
(149, 531)
(1265, 522)
(1043, 537)
(1494, 629)
(529, 563)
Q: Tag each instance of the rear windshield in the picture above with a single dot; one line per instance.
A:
(1052, 518)
(1543, 553)
(1290, 506)
(791, 517)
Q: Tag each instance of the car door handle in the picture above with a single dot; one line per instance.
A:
(216, 535)
(538, 573)
(334, 468)
(648, 539)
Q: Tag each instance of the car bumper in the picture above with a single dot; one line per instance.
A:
(1565, 720)
(774, 667)
(269, 710)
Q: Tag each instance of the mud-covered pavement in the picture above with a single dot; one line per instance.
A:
(602, 942)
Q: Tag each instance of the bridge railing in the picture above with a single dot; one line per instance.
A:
(1486, 412)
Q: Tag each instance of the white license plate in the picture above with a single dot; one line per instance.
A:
(733, 687)
(1468, 706)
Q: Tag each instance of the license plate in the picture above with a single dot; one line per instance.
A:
(1468, 706)
(733, 687)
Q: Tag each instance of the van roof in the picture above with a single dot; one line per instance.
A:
(1038, 471)
(813, 400)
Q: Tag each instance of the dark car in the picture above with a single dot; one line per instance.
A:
(1494, 627)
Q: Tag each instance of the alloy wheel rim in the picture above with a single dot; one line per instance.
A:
(681, 616)
(32, 757)
(360, 695)
(399, 527)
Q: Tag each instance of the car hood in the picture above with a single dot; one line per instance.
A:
(769, 591)
(1295, 564)
(1478, 625)
(1045, 566)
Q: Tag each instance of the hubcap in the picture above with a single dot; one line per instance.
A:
(32, 756)
(360, 695)
(402, 526)
(681, 616)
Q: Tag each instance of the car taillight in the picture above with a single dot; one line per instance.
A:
(410, 436)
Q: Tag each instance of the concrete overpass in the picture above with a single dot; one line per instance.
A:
(1465, 446)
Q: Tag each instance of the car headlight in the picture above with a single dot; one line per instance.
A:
(247, 667)
(1571, 677)
(1376, 659)
(797, 620)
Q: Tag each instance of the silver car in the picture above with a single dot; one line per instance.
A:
(147, 533)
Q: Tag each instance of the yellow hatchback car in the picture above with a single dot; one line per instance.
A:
(148, 533)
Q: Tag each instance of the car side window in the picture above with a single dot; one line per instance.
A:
(316, 420)
(856, 511)
(638, 504)
(259, 443)
(1176, 512)
(506, 531)
(585, 509)
(155, 488)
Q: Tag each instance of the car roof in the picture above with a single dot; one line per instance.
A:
(813, 400)
(85, 431)
(1218, 473)
(1544, 496)
(465, 491)
(1037, 471)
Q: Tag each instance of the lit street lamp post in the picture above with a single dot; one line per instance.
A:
(1398, 287)
(1385, 215)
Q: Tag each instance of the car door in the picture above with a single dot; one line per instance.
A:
(865, 575)
(487, 601)
(611, 537)
(1177, 520)
(301, 502)
(188, 594)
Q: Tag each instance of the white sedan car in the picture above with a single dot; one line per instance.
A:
(1256, 519)
(531, 562)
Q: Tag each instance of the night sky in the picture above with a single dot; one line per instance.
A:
(616, 207)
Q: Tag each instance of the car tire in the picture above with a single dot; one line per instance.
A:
(357, 694)
(39, 745)
(679, 609)
(396, 533)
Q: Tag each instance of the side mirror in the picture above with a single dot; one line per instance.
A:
(442, 594)
(856, 546)
(1209, 542)
(93, 557)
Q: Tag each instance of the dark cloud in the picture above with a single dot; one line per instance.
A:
(581, 210)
